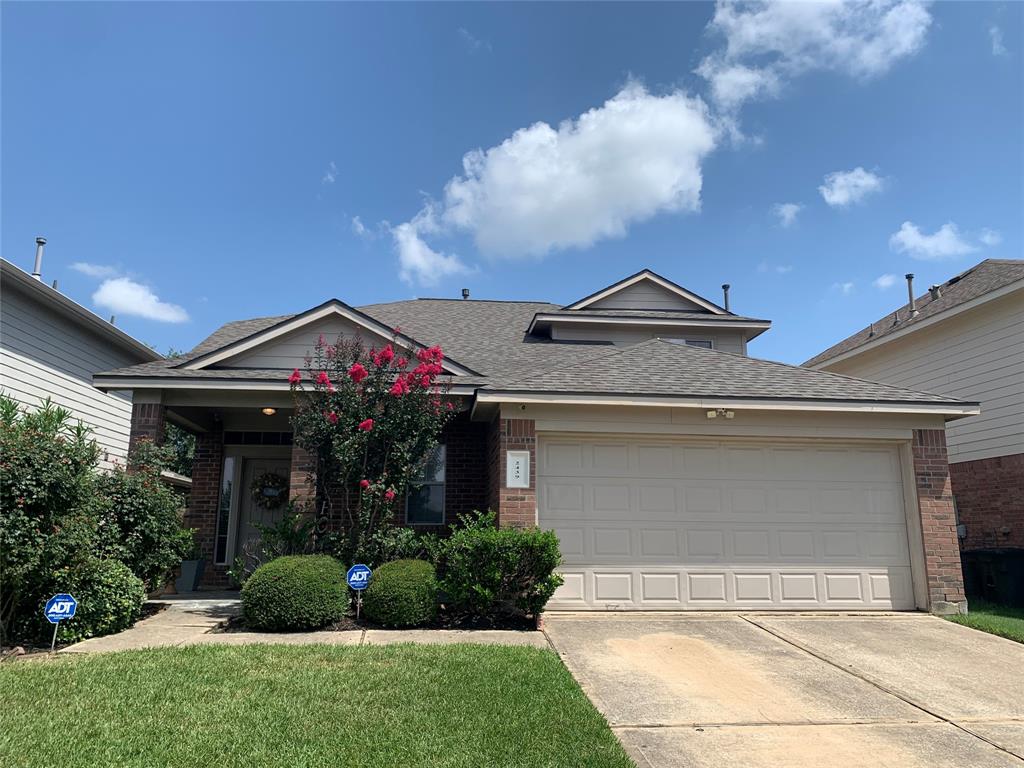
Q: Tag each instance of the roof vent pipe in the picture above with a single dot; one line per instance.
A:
(465, 293)
(910, 294)
(871, 330)
(725, 292)
(54, 286)
(935, 291)
(112, 319)
(37, 271)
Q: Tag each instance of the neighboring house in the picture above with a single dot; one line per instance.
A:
(963, 339)
(678, 472)
(51, 347)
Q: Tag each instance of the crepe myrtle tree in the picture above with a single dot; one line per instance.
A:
(369, 417)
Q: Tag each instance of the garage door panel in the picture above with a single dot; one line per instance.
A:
(644, 524)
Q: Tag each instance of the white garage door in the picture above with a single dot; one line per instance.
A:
(648, 524)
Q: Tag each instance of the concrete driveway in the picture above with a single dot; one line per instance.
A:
(833, 691)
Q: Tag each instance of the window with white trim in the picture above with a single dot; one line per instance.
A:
(424, 503)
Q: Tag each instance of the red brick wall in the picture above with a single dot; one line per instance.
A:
(204, 501)
(302, 480)
(514, 506)
(990, 501)
(147, 423)
(938, 522)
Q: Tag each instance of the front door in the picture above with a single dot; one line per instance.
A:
(255, 513)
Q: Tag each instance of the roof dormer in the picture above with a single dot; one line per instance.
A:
(646, 306)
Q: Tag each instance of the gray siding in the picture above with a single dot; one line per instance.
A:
(723, 340)
(289, 351)
(645, 295)
(43, 354)
(977, 355)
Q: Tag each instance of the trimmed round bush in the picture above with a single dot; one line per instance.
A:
(296, 592)
(402, 593)
(109, 596)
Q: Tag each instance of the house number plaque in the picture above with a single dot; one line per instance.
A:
(517, 469)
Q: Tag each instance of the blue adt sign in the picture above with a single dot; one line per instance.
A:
(358, 577)
(60, 608)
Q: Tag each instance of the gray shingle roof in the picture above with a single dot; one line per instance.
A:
(489, 337)
(659, 367)
(666, 314)
(988, 276)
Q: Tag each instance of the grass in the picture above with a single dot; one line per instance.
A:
(263, 705)
(995, 619)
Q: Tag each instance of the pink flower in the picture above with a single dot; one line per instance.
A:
(323, 379)
(401, 362)
(451, 407)
(332, 417)
(399, 388)
(357, 373)
(387, 354)
(364, 484)
(320, 342)
(366, 426)
(389, 495)
(295, 378)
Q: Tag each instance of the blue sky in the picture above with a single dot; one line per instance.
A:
(206, 162)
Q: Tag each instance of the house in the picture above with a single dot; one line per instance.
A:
(965, 339)
(678, 472)
(51, 347)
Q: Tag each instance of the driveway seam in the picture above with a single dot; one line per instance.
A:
(877, 684)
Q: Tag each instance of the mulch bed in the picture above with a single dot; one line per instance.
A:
(444, 621)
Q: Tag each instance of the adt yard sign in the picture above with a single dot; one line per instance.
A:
(59, 608)
(358, 577)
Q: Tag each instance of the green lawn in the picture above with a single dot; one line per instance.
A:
(301, 706)
(994, 619)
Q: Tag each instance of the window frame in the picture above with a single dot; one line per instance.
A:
(699, 343)
(443, 483)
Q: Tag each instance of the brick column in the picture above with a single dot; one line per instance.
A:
(147, 423)
(938, 522)
(302, 482)
(204, 501)
(513, 506)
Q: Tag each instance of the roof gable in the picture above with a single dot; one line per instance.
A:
(333, 315)
(647, 290)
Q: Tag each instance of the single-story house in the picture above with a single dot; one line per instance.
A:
(678, 472)
(50, 347)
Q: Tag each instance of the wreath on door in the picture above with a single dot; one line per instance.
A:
(269, 490)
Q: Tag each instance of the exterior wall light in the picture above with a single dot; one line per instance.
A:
(268, 411)
(720, 412)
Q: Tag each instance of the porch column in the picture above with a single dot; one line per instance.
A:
(205, 499)
(515, 507)
(938, 522)
(147, 423)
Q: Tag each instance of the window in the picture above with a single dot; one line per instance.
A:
(220, 552)
(702, 343)
(424, 504)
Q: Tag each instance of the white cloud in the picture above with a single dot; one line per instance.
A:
(124, 296)
(331, 174)
(94, 270)
(781, 269)
(996, 36)
(945, 243)
(990, 237)
(546, 189)
(358, 228)
(472, 42)
(417, 261)
(844, 288)
(767, 43)
(843, 188)
(787, 213)
(885, 281)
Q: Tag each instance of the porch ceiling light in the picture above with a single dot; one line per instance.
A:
(269, 411)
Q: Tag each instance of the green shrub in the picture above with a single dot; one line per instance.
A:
(483, 569)
(402, 593)
(296, 592)
(109, 597)
(140, 522)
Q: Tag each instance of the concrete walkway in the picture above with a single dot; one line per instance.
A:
(759, 690)
(191, 620)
